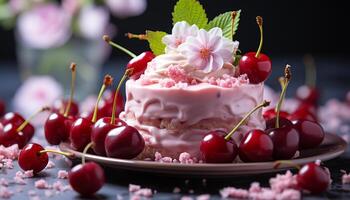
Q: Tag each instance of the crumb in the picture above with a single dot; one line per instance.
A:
(232, 192)
(134, 188)
(19, 180)
(41, 184)
(62, 174)
(5, 193)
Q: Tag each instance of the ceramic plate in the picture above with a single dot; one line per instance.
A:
(331, 147)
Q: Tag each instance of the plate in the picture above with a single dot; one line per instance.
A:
(331, 147)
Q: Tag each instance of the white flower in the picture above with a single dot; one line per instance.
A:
(93, 21)
(179, 34)
(208, 51)
(127, 8)
(44, 26)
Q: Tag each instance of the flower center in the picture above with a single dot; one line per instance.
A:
(204, 53)
(178, 42)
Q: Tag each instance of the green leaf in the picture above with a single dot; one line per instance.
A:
(154, 39)
(190, 11)
(224, 21)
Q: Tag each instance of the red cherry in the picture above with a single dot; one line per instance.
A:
(285, 140)
(258, 69)
(139, 64)
(86, 179)
(2, 108)
(99, 132)
(80, 133)
(30, 158)
(301, 113)
(311, 133)
(10, 136)
(60, 105)
(57, 128)
(308, 94)
(256, 146)
(16, 120)
(271, 113)
(124, 142)
(313, 178)
(256, 65)
(282, 122)
(216, 149)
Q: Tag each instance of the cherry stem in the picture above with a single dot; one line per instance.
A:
(284, 81)
(259, 21)
(310, 70)
(125, 75)
(107, 82)
(287, 162)
(72, 68)
(87, 147)
(107, 39)
(26, 122)
(136, 36)
(56, 152)
(263, 104)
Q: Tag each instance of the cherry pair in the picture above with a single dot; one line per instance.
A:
(218, 146)
(14, 129)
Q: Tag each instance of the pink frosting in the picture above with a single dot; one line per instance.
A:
(188, 106)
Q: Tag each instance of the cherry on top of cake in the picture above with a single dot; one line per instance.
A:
(197, 51)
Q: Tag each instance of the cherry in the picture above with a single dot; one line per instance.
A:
(218, 146)
(60, 105)
(256, 65)
(87, 178)
(138, 64)
(255, 146)
(57, 126)
(124, 142)
(271, 123)
(313, 178)
(80, 132)
(311, 133)
(303, 113)
(271, 113)
(15, 130)
(34, 157)
(2, 108)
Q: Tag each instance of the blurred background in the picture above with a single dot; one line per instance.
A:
(41, 37)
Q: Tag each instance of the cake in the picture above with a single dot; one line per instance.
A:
(192, 88)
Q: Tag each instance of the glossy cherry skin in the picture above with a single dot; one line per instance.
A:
(256, 146)
(313, 178)
(271, 113)
(215, 149)
(285, 140)
(257, 69)
(311, 133)
(59, 106)
(139, 64)
(57, 128)
(86, 179)
(99, 132)
(2, 108)
(16, 120)
(302, 113)
(308, 94)
(124, 142)
(10, 136)
(29, 158)
(271, 123)
(80, 133)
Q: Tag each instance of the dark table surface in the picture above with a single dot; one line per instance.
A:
(333, 80)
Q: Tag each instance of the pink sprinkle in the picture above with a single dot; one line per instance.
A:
(134, 188)
(177, 74)
(232, 192)
(166, 160)
(255, 187)
(144, 192)
(345, 178)
(203, 197)
(41, 184)
(57, 186)
(4, 182)
(289, 194)
(10, 152)
(50, 165)
(7, 163)
(157, 157)
(62, 174)
(167, 82)
(28, 174)
(185, 158)
(283, 181)
(5, 193)
(19, 180)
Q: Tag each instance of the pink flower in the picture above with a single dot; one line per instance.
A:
(71, 6)
(127, 8)
(44, 26)
(93, 21)
(208, 51)
(179, 34)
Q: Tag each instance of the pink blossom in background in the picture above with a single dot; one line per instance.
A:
(71, 6)
(93, 21)
(44, 26)
(127, 8)
(38, 91)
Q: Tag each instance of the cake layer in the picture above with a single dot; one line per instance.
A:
(175, 119)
